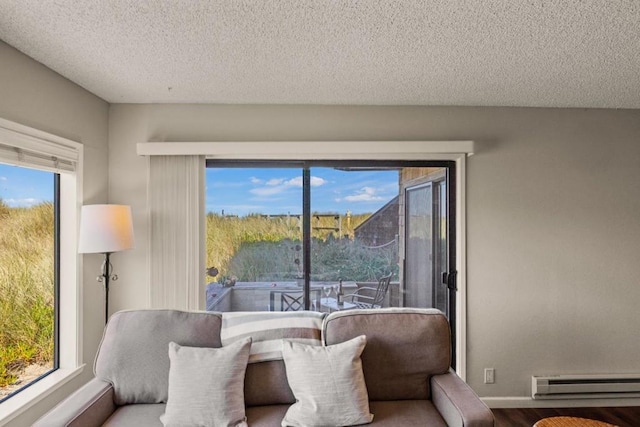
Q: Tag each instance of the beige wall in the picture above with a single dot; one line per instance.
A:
(33, 95)
(552, 220)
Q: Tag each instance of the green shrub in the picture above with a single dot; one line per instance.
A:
(265, 261)
(226, 234)
(351, 260)
(331, 259)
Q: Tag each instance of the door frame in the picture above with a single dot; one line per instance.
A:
(456, 151)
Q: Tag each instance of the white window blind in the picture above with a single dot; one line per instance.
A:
(38, 151)
(176, 208)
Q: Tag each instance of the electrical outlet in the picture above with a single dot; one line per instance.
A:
(489, 376)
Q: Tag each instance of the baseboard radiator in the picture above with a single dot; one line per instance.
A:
(585, 386)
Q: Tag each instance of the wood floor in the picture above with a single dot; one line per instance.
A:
(622, 417)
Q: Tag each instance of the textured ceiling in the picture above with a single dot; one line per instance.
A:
(557, 53)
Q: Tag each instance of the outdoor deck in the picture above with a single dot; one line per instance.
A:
(257, 296)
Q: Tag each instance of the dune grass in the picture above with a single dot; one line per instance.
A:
(26, 288)
(255, 248)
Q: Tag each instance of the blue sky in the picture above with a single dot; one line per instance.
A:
(23, 187)
(241, 191)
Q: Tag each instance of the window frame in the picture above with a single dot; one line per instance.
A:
(58, 152)
(454, 150)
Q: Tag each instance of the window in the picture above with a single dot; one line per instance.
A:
(284, 235)
(29, 256)
(40, 176)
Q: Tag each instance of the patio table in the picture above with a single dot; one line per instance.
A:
(332, 304)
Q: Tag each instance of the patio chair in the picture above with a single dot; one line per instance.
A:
(369, 297)
(291, 300)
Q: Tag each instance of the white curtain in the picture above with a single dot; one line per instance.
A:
(176, 210)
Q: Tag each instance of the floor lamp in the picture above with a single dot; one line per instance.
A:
(105, 229)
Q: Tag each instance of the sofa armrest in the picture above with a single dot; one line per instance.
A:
(457, 403)
(90, 405)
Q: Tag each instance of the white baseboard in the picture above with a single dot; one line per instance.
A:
(528, 402)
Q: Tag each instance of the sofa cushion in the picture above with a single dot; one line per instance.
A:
(405, 413)
(405, 347)
(328, 384)
(266, 416)
(266, 384)
(134, 356)
(206, 385)
(138, 415)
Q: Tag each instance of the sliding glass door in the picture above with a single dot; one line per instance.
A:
(427, 241)
(419, 261)
(286, 235)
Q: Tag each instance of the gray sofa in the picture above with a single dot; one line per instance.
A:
(405, 363)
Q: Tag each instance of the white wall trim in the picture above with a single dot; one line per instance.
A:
(27, 398)
(461, 266)
(309, 150)
(528, 402)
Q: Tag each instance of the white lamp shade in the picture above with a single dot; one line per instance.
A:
(105, 229)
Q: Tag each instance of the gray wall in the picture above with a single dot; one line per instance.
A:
(33, 95)
(552, 219)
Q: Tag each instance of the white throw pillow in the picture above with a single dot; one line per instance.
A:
(206, 386)
(328, 384)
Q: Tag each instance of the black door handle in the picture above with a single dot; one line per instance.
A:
(449, 279)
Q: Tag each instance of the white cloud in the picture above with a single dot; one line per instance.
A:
(3, 178)
(275, 181)
(278, 185)
(365, 194)
(294, 182)
(256, 181)
(22, 203)
(316, 181)
(267, 191)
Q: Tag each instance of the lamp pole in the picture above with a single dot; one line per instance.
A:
(106, 276)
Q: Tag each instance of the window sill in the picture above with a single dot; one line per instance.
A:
(30, 396)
